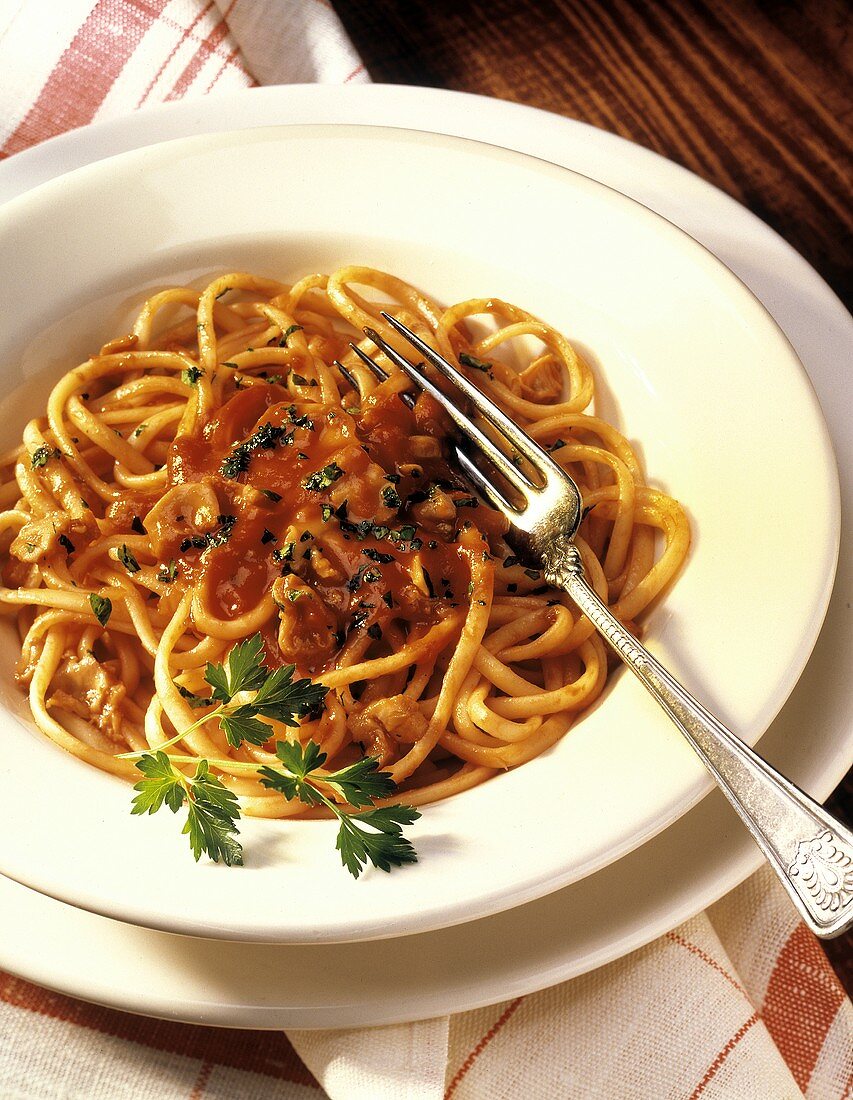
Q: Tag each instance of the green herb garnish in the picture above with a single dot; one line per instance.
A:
(288, 332)
(322, 479)
(212, 810)
(42, 455)
(472, 361)
(265, 438)
(128, 560)
(191, 375)
(374, 836)
(102, 607)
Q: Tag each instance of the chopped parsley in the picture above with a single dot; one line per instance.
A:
(42, 455)
(378, 556)
(322, 479)
(128, 560)
(391, 497)
(212, 538)
(168, 573)
(266, 438)
(101, 606)
(191, 375)
(472, 361)
(288, 332)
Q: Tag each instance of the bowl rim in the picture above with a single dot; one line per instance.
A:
(78, 179)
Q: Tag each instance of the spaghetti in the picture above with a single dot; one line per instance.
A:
(212, 475)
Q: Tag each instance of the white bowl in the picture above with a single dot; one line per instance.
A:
(689, 366)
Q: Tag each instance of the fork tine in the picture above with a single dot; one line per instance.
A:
(519, 439)
(511, 473)
(484, 486)
(407, 398)
(350, 377)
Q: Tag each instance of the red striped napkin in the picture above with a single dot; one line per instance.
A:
(739, 1002)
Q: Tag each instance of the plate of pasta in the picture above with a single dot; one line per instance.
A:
(247, 594)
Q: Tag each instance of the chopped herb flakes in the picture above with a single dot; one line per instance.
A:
(42, 455)
(101, 606)
(378, 556)
(266, 438)
(322, 479)
(391, 497)
(168, 573)
(472, 361)
(128, 560)
(211, 538)
(191, 375)
(288, 332)
(299, 421)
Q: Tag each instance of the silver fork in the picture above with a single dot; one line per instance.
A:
(810, 850)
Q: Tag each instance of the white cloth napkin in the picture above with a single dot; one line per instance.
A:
(66, 63)
(739, 1002)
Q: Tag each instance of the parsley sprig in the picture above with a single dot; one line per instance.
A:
(212, 810)
(373, 835)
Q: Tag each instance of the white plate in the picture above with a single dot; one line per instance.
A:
(622, 775)
(667, 880)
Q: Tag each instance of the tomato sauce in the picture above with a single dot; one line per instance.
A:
(329, 497)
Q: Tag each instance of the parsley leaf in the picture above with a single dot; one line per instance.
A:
(42, 455)
(242, 725)
(102, 607)
(244, 671)
(283, 699)
(191, 375)
(322, 479)
(212, 810)
(382, 843)
(160, 785)
(288, 332)
(128, 560)
(372, 836)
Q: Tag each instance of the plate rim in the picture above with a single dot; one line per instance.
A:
(519, 896)
(483, 114)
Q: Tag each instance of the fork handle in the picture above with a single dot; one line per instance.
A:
(809, 849)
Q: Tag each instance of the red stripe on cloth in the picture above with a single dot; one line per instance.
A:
(205, 49)
(721, 1057)
(231, 59)
(264, 1052)
(695, 949)
(185, 34)
(201, 1081)
(354, 73)
(481, 1046)
(802, 1000)
(85, 72)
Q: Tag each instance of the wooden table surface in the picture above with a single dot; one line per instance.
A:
(753, 96)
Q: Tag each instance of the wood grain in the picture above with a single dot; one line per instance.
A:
(752, 95)
(755, 97)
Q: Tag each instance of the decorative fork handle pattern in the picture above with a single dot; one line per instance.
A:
(811, 852)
